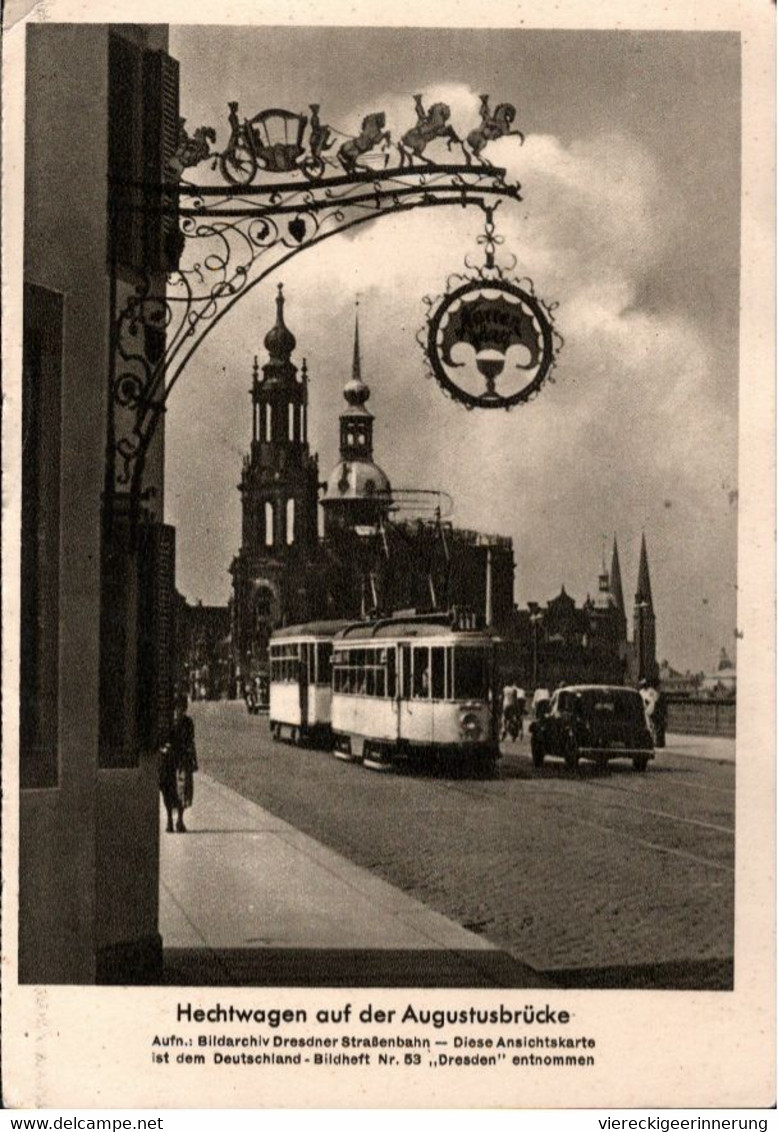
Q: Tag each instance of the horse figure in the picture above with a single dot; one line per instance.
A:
(191, 150)
(493, 126)
(430, 124)
(373, 132)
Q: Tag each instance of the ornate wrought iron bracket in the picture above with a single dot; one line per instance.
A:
(222, 242)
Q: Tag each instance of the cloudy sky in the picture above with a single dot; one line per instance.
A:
(630, 221)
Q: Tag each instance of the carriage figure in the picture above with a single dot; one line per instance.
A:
(272, 141)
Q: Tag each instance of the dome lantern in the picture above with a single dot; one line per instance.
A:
(358, 490)
(279, 340)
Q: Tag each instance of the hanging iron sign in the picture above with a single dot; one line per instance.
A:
(495, 330)
(490, 341)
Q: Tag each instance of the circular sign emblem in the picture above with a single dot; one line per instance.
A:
(490, 344)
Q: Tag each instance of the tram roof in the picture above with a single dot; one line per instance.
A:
(310, 629)
(382, 630)
(579, 689)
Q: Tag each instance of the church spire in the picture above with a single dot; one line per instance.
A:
(356, 366)
(617, 593)
(643, 594)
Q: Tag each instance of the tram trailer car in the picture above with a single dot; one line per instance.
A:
(301, 682)
(414, 688)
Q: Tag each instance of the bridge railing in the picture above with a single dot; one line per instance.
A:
(701, 717)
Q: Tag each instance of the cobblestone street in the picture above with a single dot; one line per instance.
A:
(568, 873)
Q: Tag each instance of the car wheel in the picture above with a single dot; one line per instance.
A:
(640, 762)
(537, 751)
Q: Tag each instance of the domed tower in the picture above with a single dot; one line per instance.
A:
(274, 573)
(358, 492)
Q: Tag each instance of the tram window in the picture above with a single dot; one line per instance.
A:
(323, 664)
(421, 675)
(370, 688)
(406, 671)
(449, 673)
(380, 682)
(391, 680)
(438, 674)
(471, 674)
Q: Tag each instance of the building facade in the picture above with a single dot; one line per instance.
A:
(562, 642)
(96, 598)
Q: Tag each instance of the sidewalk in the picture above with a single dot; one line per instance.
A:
(248, 900)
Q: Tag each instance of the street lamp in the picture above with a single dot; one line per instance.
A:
(536, 619)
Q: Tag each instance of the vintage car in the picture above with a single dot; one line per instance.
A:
(593, 721)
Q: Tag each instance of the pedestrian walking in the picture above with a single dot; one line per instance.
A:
(178, 763)
(521, 709)
(660, 718)
(510, 711)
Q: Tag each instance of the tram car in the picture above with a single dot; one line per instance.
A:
(414, 687)
(301, 682)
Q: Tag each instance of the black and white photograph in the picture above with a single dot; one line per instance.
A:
(388, 529)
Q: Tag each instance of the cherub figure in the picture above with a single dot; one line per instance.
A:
(373, 132)
(493, 126)
(430, 124)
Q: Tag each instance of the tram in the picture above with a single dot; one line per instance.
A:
(418, 686)
(301, 681)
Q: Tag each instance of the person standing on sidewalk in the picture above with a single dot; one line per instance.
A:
(178, 764)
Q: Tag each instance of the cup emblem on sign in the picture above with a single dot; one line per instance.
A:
(498, 335)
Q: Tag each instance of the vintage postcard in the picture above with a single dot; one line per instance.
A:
(388, 557)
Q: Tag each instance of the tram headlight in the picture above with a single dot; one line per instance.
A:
(469, 725)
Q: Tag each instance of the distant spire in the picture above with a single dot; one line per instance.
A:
(356, 391)
(356, 368)
(644, 582)
(617, 592)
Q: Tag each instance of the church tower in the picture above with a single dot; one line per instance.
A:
(616, 588)
(275, 571)
(644, 623)
(358, 492)
(617, 600)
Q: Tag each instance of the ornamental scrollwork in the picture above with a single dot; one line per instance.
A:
(282, 183)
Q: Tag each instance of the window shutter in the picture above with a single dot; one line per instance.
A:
(124, 146)
(160, 140)
(156, 634)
